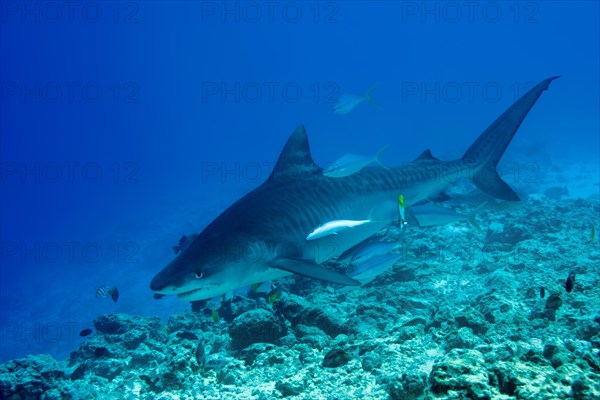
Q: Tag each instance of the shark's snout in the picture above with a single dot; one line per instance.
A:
(164, 282)
(157, 284)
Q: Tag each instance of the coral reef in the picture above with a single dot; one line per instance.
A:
(462, 316)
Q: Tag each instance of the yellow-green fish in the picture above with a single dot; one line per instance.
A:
(214, 316)
(273, 297)
(593, 236)
(255, 286)
(401, 209)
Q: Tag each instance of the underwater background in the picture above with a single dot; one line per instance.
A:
(127, 124)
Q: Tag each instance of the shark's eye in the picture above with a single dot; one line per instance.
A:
(198, 275)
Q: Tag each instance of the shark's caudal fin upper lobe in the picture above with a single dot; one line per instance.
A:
(489, 147)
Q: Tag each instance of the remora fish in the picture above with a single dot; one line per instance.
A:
(335, 227)
(364, 251)
(262, 236)
(432, 215)
(476, 198)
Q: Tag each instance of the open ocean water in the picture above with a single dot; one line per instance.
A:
(126, 125)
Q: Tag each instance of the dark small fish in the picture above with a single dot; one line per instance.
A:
(336, 358)
(542, 292)
(570, 283)
(114, 294)
(200, 355)
(100, 352)
(85, 332)
(158, 296)
(187, 335)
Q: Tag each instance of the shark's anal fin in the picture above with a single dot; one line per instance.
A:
(313, 270)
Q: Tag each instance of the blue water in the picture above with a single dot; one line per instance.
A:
(125, 125)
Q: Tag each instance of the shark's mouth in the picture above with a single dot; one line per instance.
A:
(188, 293)
(206, 287)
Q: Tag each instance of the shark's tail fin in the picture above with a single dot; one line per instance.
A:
(485, 153)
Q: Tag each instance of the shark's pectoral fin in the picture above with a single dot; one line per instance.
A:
(313, 270)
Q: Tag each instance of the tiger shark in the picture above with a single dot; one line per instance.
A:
(263, 235)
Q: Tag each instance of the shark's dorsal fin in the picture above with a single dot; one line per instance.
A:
(295, 159)
(426, 156)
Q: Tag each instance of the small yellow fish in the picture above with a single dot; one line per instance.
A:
(214, 316)
(273, 297)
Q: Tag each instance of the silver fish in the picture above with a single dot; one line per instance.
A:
(351, 164)
(347, 101)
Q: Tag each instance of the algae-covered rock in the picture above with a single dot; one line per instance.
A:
(461, 371)
(371, 361)
(256, 326)
(299, 311)
(311, 335)
(30, 377)
(406, 386)
(527, 379)
(290, 387)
